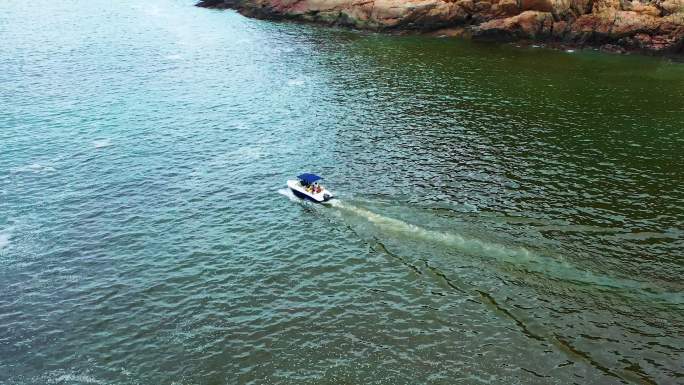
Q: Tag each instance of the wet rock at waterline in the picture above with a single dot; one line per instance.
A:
(649, 26)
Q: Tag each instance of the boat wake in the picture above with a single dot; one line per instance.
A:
(35, 168)
(5, 236)
(458, 241)
(290, 195)
(517, 258)
(102, 143)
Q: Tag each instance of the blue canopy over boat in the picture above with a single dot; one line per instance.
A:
(309, 178)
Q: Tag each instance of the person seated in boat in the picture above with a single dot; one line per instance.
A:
(317, 188)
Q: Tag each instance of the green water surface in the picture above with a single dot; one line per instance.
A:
(506, 215)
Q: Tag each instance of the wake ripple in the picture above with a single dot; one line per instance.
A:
(462, 243)
(102, 143)
(289, 194)
(4, 239)
(520, 257)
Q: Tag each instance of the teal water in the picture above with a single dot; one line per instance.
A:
(505, 216)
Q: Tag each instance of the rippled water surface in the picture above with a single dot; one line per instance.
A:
(505, 215)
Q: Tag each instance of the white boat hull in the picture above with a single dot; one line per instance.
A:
(301, 192)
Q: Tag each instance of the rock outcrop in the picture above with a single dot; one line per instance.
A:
(650, 25)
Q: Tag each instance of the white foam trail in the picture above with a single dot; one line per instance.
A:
(153, 11)
(295, 82)
(519, 256)
(102, 143)
(77, 378)
(288, 193)
(465, 244)
(34, 168)
(4, 239)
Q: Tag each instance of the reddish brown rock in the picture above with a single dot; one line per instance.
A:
(669, 7)
(648, 25)
(646, 9)
(602, 6)
(536, 5)
(506, 8)
(580, 7)
(559, 29)
(562, 9)
(527, 25)
(629, 23)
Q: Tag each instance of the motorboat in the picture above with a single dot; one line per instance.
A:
(307, 186)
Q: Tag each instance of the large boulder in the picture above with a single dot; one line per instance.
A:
(581, 7)
(526, 25)
(638, 7)
(605, 6)
(419, 14)
(669, 7)
(557, 7)
(628, 23)
(536, 5)
(505, 8)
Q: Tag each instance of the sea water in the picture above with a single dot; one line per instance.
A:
(504, 215)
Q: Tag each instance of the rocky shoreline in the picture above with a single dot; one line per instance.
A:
(650, 26)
